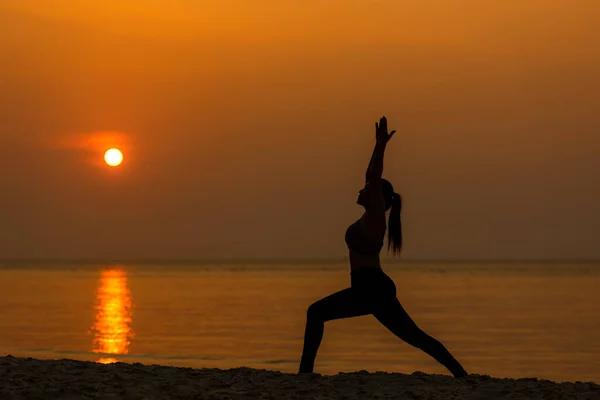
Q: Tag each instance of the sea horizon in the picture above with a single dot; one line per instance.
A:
(292, 260)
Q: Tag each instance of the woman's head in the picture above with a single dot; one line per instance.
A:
(393, 201)
(388, 194)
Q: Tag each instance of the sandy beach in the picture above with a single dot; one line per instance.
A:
(27, 378)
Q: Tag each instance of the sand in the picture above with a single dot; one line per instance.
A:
(27, 378)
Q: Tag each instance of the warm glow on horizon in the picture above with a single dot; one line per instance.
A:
(265, 110)
(112, 330)
(113, 157)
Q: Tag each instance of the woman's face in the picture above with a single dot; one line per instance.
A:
(362, 197)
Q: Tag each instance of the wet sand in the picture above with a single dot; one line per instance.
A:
(27, 378)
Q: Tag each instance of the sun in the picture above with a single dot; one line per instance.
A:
(113, 157)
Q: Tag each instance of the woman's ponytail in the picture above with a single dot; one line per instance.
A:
(395, 225)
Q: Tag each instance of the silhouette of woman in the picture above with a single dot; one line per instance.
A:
(371, 290)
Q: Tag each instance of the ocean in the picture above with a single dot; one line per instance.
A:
(529, 319)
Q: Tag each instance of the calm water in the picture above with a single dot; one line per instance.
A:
(506, 320)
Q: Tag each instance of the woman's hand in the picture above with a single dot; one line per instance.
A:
(381, 131)
(375, 168)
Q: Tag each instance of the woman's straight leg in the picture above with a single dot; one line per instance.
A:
(343, 304)
(393, 316)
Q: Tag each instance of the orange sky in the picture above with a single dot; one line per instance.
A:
(247, 126)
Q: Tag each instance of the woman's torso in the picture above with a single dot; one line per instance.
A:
(363, 249)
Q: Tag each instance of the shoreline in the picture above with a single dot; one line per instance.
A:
(30, 378)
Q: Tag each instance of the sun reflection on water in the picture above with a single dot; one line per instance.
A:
(112, 328)
(109, 360)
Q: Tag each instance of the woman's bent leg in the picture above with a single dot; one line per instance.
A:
(343, 304)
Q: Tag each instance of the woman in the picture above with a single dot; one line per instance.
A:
(371, 290)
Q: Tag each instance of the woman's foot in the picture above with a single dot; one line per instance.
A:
(305, 371)
(461, 374)
(306, 366)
